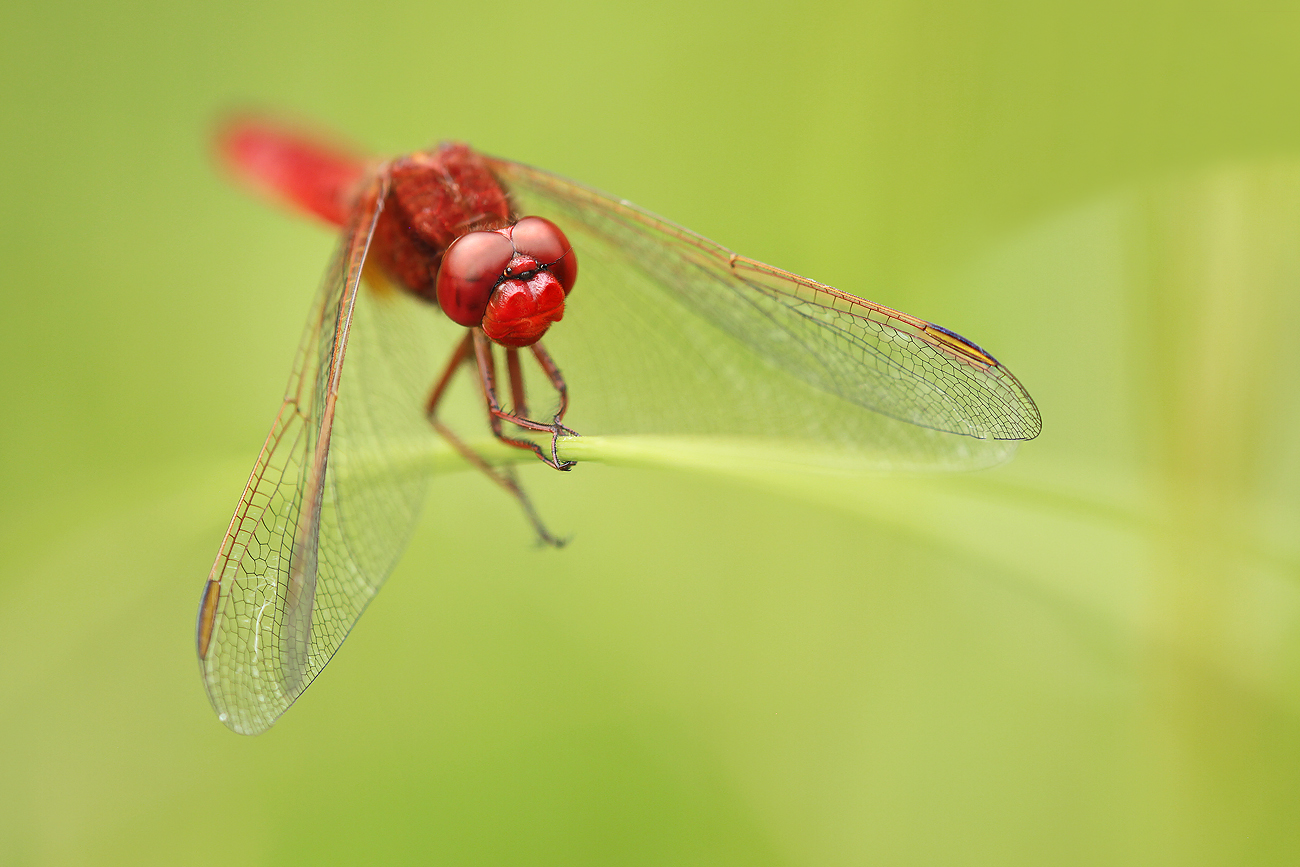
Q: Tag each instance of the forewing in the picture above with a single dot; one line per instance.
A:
(327, 510)
(785, 357)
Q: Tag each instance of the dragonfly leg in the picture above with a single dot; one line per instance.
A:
(496, 414)
(518, 399)
(458, 357)
(504, 478)
(552, 371)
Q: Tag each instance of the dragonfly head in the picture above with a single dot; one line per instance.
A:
(512, 282)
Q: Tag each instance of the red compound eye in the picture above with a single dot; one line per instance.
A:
(542, 240)
(469, 272)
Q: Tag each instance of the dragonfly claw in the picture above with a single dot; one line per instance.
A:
(558, 430)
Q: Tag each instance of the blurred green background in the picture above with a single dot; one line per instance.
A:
(1088, 656)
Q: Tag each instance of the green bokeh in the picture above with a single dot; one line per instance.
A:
(1088, 656)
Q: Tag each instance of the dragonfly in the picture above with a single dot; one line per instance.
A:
(450, 260)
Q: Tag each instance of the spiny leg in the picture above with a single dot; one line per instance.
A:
(552, 371)
(458, 357)
(506, 479)
(496, 415)
(518, 399)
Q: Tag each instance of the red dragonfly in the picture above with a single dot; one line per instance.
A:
(455, 253)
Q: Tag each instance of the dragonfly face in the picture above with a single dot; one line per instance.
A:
(512, 282)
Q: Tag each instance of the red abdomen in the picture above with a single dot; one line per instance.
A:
(294, 166)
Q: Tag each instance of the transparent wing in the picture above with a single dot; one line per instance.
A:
(669, 333)
(332, 499)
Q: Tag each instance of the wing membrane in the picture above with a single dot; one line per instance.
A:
(853, 353)
(330, 504)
